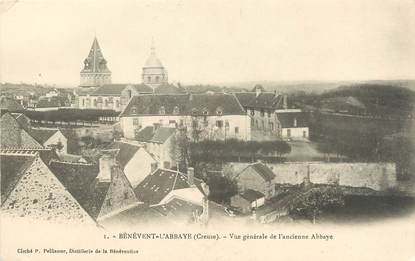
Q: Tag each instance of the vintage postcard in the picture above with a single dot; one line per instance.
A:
(207, 130)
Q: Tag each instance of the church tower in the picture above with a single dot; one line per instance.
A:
(154, 74)
(95, 71)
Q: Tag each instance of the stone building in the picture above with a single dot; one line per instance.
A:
(30, 190)
(154, 74)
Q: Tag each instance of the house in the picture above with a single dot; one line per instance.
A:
(163, 185)
(158, 141)
(248, 200)
(102, 190)
(13, 135)
(135, 161)
(30, 190)
(52, 138)
(52, 103)
(258, 177)
(348, 104)
(260, 107)
(204, 116)
(294, 124)
(10, 105)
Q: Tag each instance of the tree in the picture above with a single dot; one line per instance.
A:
(221, 187)
(313, 202)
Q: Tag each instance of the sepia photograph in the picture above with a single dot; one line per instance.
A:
(207, 130)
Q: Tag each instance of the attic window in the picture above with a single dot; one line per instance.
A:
(194, 111)
(176, 110)
(219, 111)
(134, 110)
(162, 110)
(205, 111)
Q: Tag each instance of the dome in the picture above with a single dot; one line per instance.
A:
(153, 61)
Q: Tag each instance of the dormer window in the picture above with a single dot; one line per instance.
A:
(134, 110)
(205, 111)
(162, 110)
(295, 122)
(176, 110)
(219, 111)
(194, 111)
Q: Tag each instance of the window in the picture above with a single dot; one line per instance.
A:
(117, 103)
(157, 78)
(195, 124)
(262, 112)
(135, 122)
(288, 133)
(271, 126)
(149, 79)
(109, 202)
(252, 122)
(219, 111)
(252, 112)
(176, 110)
(295, 122)
(125, 195)
(205, 111)
(162, 110)
(236, 130)
(83, 102)
(226, 124)
(106, 103)
(219, 124)
(181, 122)
(134, 110)
(269, 114)
(304, 134)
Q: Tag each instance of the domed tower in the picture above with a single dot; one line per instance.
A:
(154, 74)
(95, 71)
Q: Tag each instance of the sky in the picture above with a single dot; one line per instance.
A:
(46, 41)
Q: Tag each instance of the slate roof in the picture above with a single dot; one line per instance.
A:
(178, 208)
(251, 195)
(286, 119)
(183, 104)
(42, 135)
(13, 168)
(125, 153)
(55, 101)
(145, 134)
(264, 171)
(158, 184)
(162, 134)
(266, 100)
(116, 89)
(96, 58)
(169, 89)
(80, 181)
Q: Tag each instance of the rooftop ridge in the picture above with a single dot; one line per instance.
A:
(26, 149)
(19, 152)
(71, 162)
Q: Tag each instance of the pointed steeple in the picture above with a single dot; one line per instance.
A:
(95, 71)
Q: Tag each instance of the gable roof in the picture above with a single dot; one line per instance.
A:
(125, 151)
(169, 89)
(42, 135)
(286, 119)
(260, 168)
(251, 195)
(54, 101)
(266, 100)
(178, 208)
(162, 134)
(183, 104)
(13, 168)
(159, 183)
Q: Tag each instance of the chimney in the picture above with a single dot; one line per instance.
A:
(190, 176)
(106, 162)
(258, 90)
(154, 167)
(284, 101)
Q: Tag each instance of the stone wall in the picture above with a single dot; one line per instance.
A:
(377, 176)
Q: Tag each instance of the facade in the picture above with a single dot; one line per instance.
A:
(204, 116)
(260, 107)
(158, 141)
(294, 124)
(30, 190)
(256, 177)
(95, 71)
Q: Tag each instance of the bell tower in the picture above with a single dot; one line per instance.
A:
(95, 71)
(154, 74)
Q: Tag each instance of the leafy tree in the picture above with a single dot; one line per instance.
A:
(313, 202)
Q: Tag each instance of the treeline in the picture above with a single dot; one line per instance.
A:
(70, 115)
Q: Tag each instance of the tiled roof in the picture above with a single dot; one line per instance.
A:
(264, 171)
(12, 169)
(125, 153)
(184, 104)
(42, 135)
(252, 195)
(145, 134)
(162, 134)
(287, 119)
(109, 90)
(158, 184)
